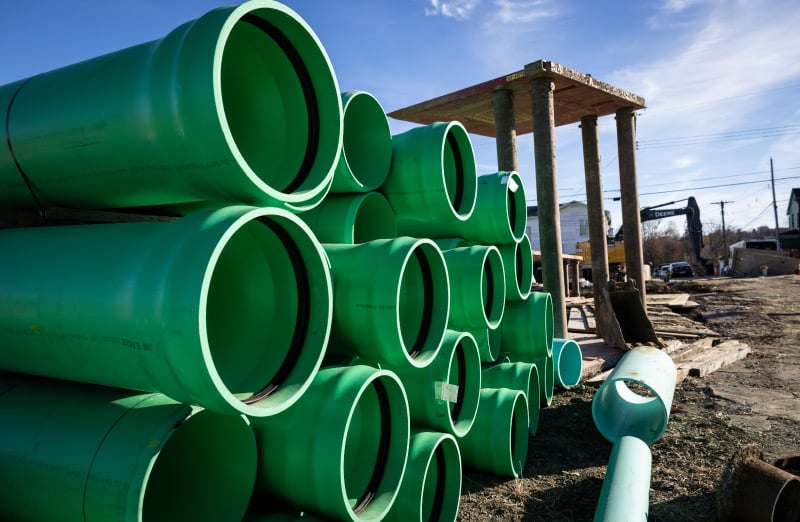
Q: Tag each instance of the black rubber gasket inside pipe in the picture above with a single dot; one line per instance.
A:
(303, 313)
(307, 84)
(461, 365)
(458, 197)
(383, 448)
(427, 303)
(487, 306)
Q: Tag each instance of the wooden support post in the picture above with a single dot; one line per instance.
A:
(629, 191)
(505, 132)
(544, 148)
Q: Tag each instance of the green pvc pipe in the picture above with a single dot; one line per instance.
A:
(352, 218)
(431, 488)
(340, 451)
(546, 366)
(500, 212)
(77, 452)
(218, 308)
(518, 264)
(498, 440)
(636, 397)
(625, 495)
(366, 146)
(432, 181)
(516, 376)
(568, 362)
(477, 289)
(444, 395)
(240, 105)
(488, 342)
(527, 328)
(391, 300)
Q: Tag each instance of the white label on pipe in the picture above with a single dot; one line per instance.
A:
(504, 179)
(445, 391)
(512, 185)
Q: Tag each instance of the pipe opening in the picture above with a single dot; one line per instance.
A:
(258, 310)
(367, 145)
(517, 207)
(433, 505)
(192, 465)
(367, 440)
(416, 301)
(374, 219)
(487, 289)
(519, 433)
(454, 172)
(458, 376)
(787, 504)
(270, 99)
(518, 264)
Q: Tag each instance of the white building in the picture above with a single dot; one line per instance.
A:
(794, 209)
(574, 226)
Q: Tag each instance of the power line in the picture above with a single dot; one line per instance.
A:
(766, 132)
(685, 189)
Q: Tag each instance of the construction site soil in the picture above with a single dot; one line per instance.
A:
(755, 400)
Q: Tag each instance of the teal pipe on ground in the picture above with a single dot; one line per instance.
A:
(340, 451)
(545, 364)
(366, 145)
(391, 300)
(444, 395)
(527, 328)
(488, 342)
(432, 181)
(625, 495)
(518, 264)
(240, 105)
(77, 452)
(218, 309)
(516, 376)
(498, 440)
(567, 362)
(431, 488)
(477, 287)
(352, 218)
(500, 212)
(636, 397)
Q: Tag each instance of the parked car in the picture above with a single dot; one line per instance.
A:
(681, 269)
(662, 271)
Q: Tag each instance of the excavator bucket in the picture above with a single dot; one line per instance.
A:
(631, 314)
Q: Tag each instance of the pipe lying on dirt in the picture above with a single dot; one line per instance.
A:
(431, 488)
(567, 362)
(77, 452)
(500, 210)
(751, 489)
(340, 451)
(516, 376)
(352, 219)
(497, 443)
(625, 495)
(240, 105)
(391, 300)
(636, 397)
(432, 181)
(444, 395)
(477, 289)
(527, 328)
(218, 309)
(518, 264)
(366, 145)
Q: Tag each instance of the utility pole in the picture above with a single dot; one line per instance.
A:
(774, 204)
(724, 234)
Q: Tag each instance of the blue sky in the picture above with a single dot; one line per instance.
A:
(721, 78)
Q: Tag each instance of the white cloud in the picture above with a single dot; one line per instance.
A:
(458, 9)
(676, 6)
(521, 11)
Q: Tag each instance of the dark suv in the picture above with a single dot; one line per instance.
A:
(681, 269)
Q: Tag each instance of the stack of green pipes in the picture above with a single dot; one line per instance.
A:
(326, 321)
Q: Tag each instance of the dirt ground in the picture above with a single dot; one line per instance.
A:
(754, 400)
